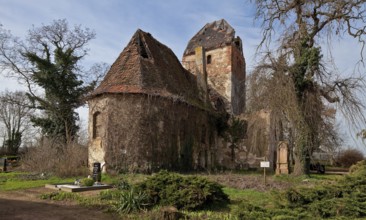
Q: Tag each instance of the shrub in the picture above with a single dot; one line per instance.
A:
(349, 157)
(190, 193)
(87, 182)
(52, 156)
(346, 198)
(131, 201)
(358, 169)
(121, 184)
(245, 210)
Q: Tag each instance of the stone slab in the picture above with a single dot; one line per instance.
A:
(69, 187)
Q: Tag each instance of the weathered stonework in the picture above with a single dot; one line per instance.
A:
(225, 63)
(151, 113)
(147, 113)
(147, 133)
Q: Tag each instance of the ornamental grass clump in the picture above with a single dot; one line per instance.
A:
(131, 201)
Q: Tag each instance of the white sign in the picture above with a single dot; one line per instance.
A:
(264, 163)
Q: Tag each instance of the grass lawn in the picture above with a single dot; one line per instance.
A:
(21, 180)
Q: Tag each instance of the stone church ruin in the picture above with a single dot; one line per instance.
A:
(153, 112)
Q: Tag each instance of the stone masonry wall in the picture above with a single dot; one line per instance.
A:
(238, 81)
(147, 133)
(226, 75)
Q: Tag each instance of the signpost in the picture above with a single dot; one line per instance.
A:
(264, 164)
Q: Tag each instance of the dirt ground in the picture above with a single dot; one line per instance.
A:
(26, 204)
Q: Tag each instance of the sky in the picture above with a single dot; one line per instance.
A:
(172, 22)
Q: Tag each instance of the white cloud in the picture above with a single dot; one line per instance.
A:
(171, 22)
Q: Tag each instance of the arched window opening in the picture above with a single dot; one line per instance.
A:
(97, 125)
(209, 59)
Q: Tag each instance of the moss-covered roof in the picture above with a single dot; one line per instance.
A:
(149, 67)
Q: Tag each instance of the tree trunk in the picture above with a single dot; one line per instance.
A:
(298, 167)
(232, 152)
(302, 164)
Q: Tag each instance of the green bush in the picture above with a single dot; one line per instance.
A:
(121, 184)
(303, 196)
(190, 193)
(358, 169)
(247, 211)
(87, 182)
(346, 198)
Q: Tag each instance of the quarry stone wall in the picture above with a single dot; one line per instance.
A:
(147, 133)
(225, 67)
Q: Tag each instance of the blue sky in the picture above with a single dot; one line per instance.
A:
(172, 22)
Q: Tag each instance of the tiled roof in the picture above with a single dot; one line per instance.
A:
(212, 35)
(149, 67)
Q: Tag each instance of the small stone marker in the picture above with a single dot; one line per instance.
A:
(264, 164)
(3, 164)
(282, 158)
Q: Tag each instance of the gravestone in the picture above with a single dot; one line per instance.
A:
(282, 158)
(97, 172)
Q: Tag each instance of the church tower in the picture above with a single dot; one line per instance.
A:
(224, 63)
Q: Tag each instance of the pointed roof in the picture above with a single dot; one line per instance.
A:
(212, 35)
(149, 67)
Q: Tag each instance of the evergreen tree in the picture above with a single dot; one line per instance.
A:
(50, 59)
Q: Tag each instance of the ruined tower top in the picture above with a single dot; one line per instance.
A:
(213, 35)
(225, 65)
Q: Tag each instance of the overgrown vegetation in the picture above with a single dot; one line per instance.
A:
(235, 131)
(51, 156)
(300, 87)
(182, 192)
(87, 182)
(131, 200)
(349, 157)
(166, 194)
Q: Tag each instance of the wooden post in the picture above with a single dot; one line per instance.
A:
(264, 171)
(264, 164)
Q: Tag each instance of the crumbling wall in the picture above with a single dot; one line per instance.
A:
(238, 78)
(147, 133)
(225, 67)
(97, 147)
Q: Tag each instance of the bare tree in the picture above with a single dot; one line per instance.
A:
(15, 114)
(301, 26)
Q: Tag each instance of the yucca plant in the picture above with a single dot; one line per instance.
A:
(131, 201)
